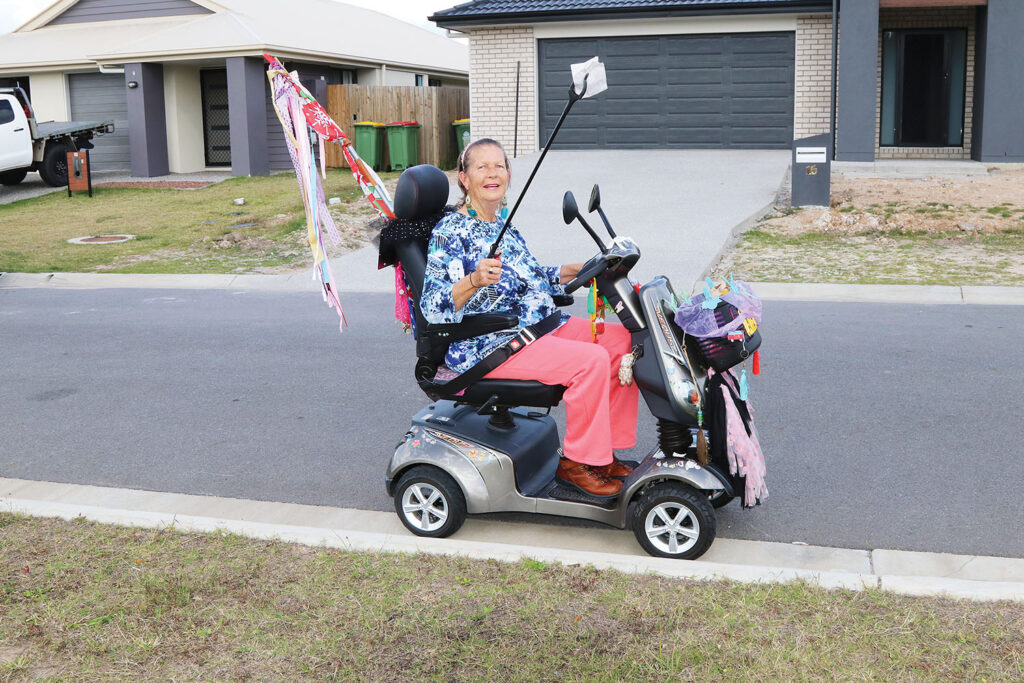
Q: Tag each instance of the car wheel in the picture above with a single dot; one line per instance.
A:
(674, 520)
(429, 502)
(54, 169)
(13, 177)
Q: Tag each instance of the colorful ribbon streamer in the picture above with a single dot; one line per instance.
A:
(307, 125)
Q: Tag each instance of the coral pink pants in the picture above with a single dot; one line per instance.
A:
(600, 413)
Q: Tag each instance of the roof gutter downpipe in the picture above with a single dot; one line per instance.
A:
(835, 62)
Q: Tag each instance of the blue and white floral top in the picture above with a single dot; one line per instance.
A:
(457, 244)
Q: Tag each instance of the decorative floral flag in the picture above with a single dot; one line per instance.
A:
(307, 125)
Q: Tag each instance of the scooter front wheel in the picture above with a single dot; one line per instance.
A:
(674, 520)
(429, 502)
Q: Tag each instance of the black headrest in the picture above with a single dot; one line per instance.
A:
(422, 190)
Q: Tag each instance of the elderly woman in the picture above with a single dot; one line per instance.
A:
(460, 279)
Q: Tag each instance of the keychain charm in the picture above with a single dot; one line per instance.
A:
(626, 368)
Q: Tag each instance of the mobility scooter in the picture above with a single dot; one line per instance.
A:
(491, 446)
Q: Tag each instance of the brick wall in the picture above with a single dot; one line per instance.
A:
(493, 54)
(813, 90)
(929, 18)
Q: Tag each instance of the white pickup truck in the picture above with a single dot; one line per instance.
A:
(29, 146)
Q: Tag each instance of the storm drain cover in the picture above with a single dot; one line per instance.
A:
(101, 239)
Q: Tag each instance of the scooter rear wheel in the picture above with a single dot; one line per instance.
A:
(429, 502)
(674, 520)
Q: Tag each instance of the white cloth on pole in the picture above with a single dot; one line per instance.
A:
(596, 83)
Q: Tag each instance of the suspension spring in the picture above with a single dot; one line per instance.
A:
(673, 437)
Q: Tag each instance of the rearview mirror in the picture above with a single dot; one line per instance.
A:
(595, 200)
(569, 209)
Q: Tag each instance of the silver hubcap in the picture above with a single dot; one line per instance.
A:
(425, 507)
(672, 528)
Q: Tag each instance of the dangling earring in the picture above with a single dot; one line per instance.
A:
(504, 208)
(469, 208)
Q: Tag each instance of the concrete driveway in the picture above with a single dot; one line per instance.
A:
(31, 186)
(678, 205)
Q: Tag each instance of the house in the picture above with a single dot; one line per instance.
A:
(937, 79)
(184, 80)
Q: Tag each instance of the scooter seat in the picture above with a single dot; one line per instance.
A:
(510, 392)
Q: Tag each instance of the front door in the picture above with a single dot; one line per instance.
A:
(923, 79)
(216, 121)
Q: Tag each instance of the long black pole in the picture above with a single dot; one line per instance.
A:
(573, 97)
(515, 134)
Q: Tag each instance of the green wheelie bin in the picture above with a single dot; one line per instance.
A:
(403, 144)
(370, 143)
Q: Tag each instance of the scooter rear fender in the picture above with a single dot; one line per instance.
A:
(424, 447)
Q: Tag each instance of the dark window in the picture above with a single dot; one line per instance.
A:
(17, 82)
(6, 112)
(924, 73)
(434, 82)
(419, 79)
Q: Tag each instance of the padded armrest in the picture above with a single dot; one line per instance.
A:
(563, 299)
(472, 326)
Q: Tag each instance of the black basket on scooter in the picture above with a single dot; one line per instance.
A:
(722, 353)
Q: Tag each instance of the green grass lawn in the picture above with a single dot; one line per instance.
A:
(86, 602)
(177, 231)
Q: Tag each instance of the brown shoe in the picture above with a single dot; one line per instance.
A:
(617, 468)
(588, 479)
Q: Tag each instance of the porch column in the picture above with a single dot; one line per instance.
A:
(147, 123)
(247, 116)
(999, 89)
(858, 81)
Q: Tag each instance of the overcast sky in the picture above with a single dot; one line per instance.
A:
(17, 12)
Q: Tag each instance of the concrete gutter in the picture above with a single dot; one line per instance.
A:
(303, 282)
(911, 573)
(890, 294)
(295, 282)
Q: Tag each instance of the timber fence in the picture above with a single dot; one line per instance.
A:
(434, 108)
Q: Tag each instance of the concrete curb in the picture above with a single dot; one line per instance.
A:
(956, 576)
(303, 282)
(890, 294)
(293, 282)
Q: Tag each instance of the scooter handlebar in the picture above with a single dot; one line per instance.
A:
(591, 269)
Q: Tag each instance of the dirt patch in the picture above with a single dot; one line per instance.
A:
(954, 231)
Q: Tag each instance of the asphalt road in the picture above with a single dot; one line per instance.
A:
(884, 426)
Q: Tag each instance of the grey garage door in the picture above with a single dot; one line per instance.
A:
(99, 97)
(730, 90)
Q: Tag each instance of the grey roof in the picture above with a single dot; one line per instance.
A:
(508, 11)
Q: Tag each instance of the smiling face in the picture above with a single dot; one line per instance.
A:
(485, 177)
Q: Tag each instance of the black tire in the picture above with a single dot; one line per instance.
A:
(719, 499)
(13, 177)
(445, 514)
(687, 507)
(54, 169)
